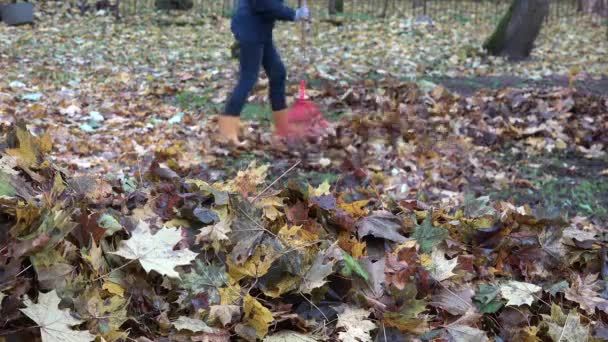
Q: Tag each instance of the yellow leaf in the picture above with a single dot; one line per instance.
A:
(58, 184)
(246, 182)
(351, 245)
(29, 148)
(269, 206)
(560, 144)
(355, 208)
(257, 316)
(323, 189)
(284, 285)
(231, 293)
(426, 260)
(177, 223)
(113, 288)
(257, 265)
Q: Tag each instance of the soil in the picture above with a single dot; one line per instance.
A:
(469, 86)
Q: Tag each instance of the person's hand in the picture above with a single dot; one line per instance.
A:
(302, 13)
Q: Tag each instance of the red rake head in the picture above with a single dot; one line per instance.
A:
(304, 116)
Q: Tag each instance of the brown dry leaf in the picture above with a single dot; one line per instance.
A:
(357, 327)
(584, 292)
(351, 245)
(381, 224)
(224, 313)
(465, 333)
(455, 301)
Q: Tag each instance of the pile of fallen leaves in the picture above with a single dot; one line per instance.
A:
(166, 257)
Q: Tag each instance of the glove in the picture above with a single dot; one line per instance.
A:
(302, 13)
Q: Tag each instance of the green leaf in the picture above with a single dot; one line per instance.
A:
(351, 265)
(206, 278)
(562, 327)
(6, 187)
(410, 307)
(477, 207)
(109, 223)
(428, 236)
(486, 300)
(562, 286)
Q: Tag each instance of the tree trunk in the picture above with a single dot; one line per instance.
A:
(331, 7)
(335, 6)
(385, 9)
(518, 29)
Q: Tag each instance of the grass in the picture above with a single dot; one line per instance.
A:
(558, 187)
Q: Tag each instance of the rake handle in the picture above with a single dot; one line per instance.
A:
(303, 3)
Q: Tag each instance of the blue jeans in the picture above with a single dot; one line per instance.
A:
(252, 56)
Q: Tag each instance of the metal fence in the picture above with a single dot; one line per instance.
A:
(368, 9)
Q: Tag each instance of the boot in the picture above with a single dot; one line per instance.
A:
(229, 128)
(281, 124)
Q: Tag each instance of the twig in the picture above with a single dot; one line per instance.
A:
(25, 269)
(564, 328)
(276, 180)
(316, 307)
(114, 270)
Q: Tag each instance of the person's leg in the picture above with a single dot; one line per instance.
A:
(250, 59)
(275, 69)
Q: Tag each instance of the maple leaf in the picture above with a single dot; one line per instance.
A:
(54, 323)
(427, 235)
(221, 197)
(567, 328)
(194, 325)
(519, 293)
(225, 313)
(113, 288)
(104, 315)
(583, 292)
(217, 234)
(351, 265)
(355, 208)
(465, 333)
(455, 301)
(377, 278)
(270, 205)
(289, 336)
(109, 223)
(440, 267)
(258, 264)
(315, 277)
(30, 149)
(477, 207)
(381, 224)
(257, 316)
(247, 230)
(247, 181)
(409, 306)
(155, 252)
(486, 299)
(356, 324)
(206, 278)
(321, 190)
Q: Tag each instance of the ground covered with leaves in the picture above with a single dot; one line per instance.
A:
(426, 212)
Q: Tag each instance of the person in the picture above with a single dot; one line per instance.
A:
(252, 25)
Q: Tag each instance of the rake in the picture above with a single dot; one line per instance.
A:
(304, 118)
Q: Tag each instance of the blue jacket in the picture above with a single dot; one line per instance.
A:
(254, 20)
